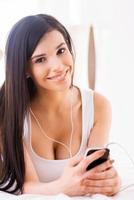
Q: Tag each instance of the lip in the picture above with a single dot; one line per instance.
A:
(58, 76)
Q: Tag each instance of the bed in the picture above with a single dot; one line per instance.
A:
(127, 194)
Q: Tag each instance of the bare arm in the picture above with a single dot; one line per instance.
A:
(105, 178)
(102, 121)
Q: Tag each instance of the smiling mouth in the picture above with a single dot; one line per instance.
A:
(58, 77)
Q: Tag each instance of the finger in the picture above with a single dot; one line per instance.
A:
(104, 166)
(74, 161)
(113, 182)
(89, 159)
(109, 191)
(110, 173)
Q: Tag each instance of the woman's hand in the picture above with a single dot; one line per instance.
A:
(72, 180)
(103, 179)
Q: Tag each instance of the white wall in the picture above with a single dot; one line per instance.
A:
(114, 36)
(10, 12)
(115, 44)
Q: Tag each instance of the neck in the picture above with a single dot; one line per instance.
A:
(52, 100)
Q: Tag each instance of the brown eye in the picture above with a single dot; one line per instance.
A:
(40, 60)
(61, 51)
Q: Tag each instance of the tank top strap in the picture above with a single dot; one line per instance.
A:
(87, 96)
(27, 128)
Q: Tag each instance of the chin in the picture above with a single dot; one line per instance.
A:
(63, 88)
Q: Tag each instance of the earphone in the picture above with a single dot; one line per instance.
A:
(130, 158)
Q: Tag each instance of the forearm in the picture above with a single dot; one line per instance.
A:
(51, 188)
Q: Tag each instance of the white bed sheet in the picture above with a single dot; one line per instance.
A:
(127, 194)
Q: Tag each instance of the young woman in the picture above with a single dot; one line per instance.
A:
(47, 123)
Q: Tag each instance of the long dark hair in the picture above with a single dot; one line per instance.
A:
(17, 92)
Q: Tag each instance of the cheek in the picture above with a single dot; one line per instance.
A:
(37, 73)
(69, 60)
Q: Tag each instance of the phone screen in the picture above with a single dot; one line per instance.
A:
(99, 160)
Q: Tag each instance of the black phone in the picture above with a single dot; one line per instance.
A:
(100, 160)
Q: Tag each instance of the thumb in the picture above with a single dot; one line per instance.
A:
(75, 161)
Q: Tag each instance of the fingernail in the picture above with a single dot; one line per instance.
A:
(102, 151)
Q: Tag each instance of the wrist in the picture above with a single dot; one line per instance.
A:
(55, 187)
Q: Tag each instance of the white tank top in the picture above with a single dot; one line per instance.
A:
(50, 170)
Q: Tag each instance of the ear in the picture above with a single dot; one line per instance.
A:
(27, 75)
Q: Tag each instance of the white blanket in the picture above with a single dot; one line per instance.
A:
(127, 194)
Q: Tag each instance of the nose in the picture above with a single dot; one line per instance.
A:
(56, 64)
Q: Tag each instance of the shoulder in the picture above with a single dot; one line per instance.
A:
(102, 108)
(101, 103)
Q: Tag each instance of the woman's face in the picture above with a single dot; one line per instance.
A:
(51, 65)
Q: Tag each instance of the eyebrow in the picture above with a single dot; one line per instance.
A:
(43, 54)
